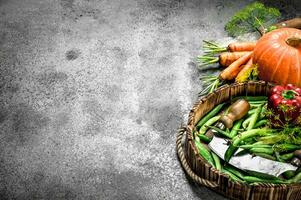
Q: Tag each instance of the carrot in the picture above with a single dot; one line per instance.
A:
(224, 59)
(245, 72)
(211, 47)
(227, 58)
(241, 46)
(232, 70)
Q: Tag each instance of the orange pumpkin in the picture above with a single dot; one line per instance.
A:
(278, 56)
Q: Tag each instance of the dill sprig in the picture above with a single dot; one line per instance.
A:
(254, 17)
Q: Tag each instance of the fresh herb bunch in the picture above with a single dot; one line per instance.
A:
(254, 17)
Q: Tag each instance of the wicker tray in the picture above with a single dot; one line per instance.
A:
(201, 172)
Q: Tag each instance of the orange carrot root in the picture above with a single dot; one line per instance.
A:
(232, 70)
(246, 71)
(241, 46)
(227, 58)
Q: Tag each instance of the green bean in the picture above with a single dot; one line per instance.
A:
(235, 128)
(262, 150)
(255, 145)
(287, 156)
(248, 141)
(230, 152)
(204, 152)
(234, 171)
(211, 114)
(251, 133)
(272, 139)
(220, 131)
(254, 118)
(295, 179)
(254, 106)
(246, 122)
(286, 147)
(260, 123)
(211, 121)
(261, 175)
(251, 98)
(217, 161)
(204, 138)
(252, 179)
(258, 143)
(252, 111)
(289, 174)
(264, 155)
(263, 111)
(257, 102)
(231, 175)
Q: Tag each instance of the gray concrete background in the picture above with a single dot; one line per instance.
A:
(92, 92)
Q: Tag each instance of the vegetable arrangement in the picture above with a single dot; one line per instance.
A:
(254, 134)
(275, 57)
(271, 129)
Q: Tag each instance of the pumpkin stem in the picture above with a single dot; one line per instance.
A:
(293, 41)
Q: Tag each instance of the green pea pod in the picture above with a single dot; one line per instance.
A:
(262, 150)
(234, 171)
(257, 102)
(261, 123)
(204, 152)
(254, 118)
(261, 175)
(272, 139)
(252, 111)
(230, 152)
(210, 122)
(217, 161)
(286, 147)
(252, 179)
(232, 176)
(219, 131)
(235, 128)
(289, 174)
(211, 114)
(246, 122)
(263, 112)
(295, 179)
(255, 145)
(287, 156)
(254, 106)
(204, 138)
(251, 133)
(264, 155)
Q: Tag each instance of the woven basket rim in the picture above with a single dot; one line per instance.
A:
(212, 169)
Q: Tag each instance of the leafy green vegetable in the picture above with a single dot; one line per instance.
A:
(252, 18)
